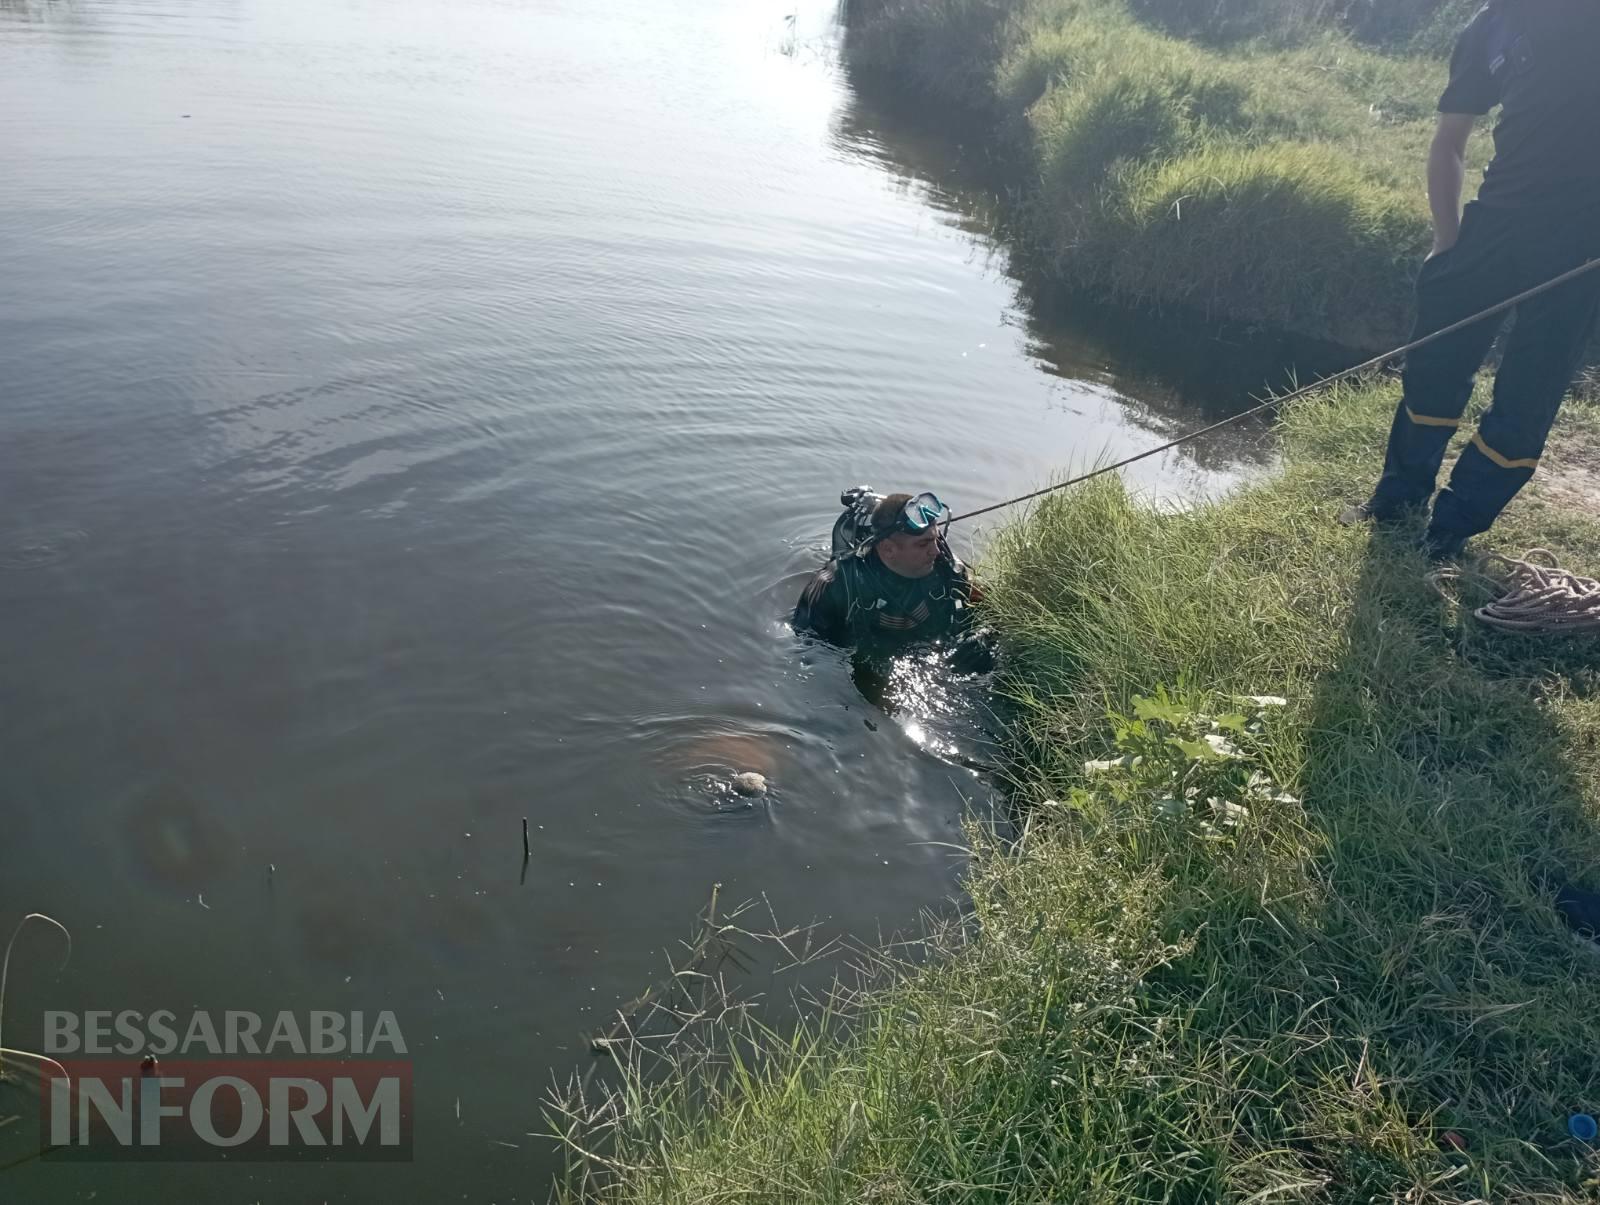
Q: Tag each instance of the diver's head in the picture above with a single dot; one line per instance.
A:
(905, 532)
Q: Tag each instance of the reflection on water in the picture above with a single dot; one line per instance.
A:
(947, 713)
(1174, 370)
(419, 416)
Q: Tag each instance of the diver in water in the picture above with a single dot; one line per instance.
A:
(892, 580)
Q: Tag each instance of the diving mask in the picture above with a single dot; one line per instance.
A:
(922, 512)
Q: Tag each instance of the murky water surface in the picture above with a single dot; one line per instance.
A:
(419, 415)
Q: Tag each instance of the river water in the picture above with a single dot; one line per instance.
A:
(416, 416)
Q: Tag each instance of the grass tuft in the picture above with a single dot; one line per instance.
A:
(1200, 232)
(1270, 182)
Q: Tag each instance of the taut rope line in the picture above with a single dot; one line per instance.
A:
(1499, 308)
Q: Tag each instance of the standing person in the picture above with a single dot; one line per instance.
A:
(1537, 215)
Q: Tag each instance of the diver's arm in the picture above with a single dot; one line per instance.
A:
(824, 607)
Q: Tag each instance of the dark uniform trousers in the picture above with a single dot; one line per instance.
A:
(1500, 253)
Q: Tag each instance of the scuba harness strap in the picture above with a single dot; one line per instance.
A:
(864, 598)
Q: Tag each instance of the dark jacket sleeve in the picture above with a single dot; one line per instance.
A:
(1474, 86)
(824, 607)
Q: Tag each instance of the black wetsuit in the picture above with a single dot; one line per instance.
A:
(1537, 215)
(860, 601)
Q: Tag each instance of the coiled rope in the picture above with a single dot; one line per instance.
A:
(1535, 595)
(1270, 403)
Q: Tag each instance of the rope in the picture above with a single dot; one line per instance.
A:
(1376, 361)
(1536, 595)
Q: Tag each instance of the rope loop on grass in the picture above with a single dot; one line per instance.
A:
(1535, 595)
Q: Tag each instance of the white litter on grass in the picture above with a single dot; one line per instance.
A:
(1228, 812)
(1261, 783)
(1104, 767)
(1268, 700)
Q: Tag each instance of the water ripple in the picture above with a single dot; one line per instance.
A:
(41, 546)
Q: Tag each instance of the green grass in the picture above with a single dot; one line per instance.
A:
(1304, 960)
(1406, 23)
(1277, 180)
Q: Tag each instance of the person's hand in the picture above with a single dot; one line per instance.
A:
(1441, 244)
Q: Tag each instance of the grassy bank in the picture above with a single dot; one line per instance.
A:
(1245, 950)
(1276, 178)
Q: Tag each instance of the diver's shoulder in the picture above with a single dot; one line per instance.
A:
(821, 582)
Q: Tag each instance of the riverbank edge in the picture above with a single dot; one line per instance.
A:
(1280, 923)
(1179, 178)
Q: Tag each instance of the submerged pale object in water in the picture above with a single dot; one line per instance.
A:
(750, 783)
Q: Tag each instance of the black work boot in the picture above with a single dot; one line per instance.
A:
(1440, 546)
(1580, 909)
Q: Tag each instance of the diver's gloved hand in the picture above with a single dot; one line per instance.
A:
(975, 652)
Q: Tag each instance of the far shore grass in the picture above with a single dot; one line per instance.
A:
(1280, 925)
(1276, 180)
